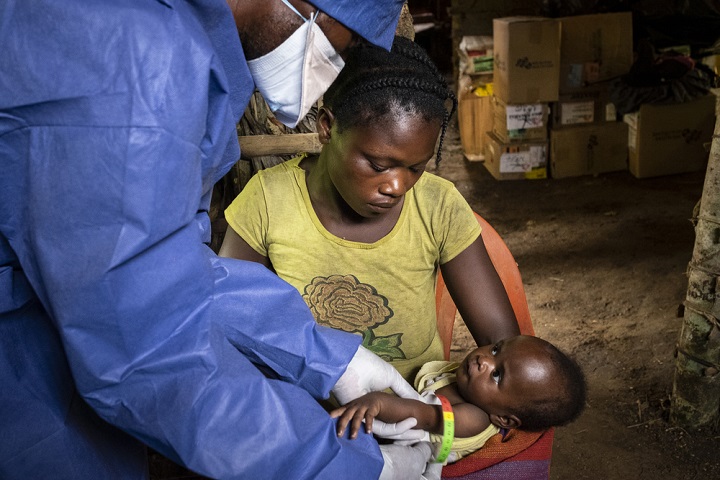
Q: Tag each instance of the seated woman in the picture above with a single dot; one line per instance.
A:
(361, 230)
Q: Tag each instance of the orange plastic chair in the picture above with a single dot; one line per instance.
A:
(517, 455)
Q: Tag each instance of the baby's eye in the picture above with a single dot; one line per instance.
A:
(496, 376)
(495, 350)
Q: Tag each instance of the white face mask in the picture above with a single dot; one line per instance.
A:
(295, 75)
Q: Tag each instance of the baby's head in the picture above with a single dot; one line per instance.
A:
(523, 382)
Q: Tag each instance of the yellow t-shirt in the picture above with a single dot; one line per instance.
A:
(384, 291)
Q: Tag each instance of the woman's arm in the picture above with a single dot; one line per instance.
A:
(479, 294)
(234, 246)
(389, 409)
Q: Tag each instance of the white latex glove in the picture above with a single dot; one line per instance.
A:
(367, 373)
(398, 431)
(405, 462)
(433, 471)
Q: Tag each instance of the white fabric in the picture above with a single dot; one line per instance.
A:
(293, 76)
(321, 67)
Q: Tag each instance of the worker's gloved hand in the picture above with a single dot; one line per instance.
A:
(408, 461)
(367, 373)
(433, 471)
(398, 431)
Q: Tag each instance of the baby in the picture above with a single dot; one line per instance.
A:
(521, 382)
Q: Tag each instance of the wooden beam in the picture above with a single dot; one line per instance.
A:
(259, 145)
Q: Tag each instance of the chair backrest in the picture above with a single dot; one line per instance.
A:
(509, 274)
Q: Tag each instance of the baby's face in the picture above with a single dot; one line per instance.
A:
(499, 377)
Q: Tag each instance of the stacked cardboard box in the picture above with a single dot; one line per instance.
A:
(527, 59)
(556, 73)
(670, 139)
(588, 149)
(526, 71)
(586, 138)
(519, 122)
(591, 104)
(594, 49)
(525, 160)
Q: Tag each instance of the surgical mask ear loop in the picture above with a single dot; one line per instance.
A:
(290, 6)
(313, 16)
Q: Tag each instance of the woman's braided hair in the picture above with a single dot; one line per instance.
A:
(375, 84)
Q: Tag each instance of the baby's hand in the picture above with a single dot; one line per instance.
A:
(365, 408)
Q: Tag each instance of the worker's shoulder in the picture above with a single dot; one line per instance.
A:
(96, 40)
(152, 29)
(131, 61)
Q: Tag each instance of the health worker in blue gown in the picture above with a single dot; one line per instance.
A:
(119, 327)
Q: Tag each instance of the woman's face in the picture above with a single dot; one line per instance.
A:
(372, 167)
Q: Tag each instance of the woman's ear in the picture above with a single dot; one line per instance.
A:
(505, 421)
(325, 121)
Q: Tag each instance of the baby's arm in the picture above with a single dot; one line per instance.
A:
(469, 419)
(389, 409)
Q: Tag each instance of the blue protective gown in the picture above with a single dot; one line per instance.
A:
(117, 322)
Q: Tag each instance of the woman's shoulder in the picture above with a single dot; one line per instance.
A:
(281, 171)
(432, 191)
(430, 180)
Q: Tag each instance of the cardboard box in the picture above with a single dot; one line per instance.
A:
(516, 161)
(520, 123)
(587, 105)
(670, 139)
(588, 149)
(594, 48)
(475, 118)
(526, 66)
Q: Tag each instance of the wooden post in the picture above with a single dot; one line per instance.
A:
(696, 387)
(258, 145)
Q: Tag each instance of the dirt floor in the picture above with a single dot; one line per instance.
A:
(603, 262)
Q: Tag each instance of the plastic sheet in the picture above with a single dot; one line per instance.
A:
(660, 79)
